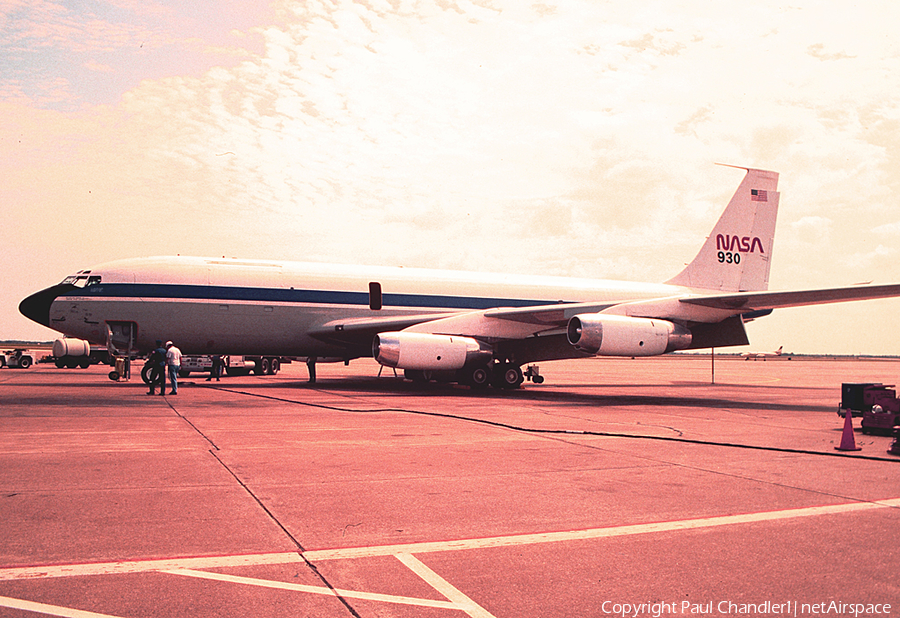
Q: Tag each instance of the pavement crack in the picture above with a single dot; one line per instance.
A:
(300, 549)
(193, 426)
(344, 531)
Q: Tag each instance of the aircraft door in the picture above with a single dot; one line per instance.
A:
(375, 303)
(121, 338)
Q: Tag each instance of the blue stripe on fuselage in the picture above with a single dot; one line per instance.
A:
(282, 295)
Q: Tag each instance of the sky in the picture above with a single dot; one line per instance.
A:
(574, 138)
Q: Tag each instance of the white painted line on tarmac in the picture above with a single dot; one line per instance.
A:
(143, 566)
(460, 600)
(49, 610)
(596, 533)
(333, 592)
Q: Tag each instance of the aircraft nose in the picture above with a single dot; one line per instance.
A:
(37, 306)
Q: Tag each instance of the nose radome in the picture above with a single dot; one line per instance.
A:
(37, 306)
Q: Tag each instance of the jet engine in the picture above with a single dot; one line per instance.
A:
(617, 335)
(429, 352)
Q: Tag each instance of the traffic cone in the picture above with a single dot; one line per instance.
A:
(847, 441)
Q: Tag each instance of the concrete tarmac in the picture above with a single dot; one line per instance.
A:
(619, 487)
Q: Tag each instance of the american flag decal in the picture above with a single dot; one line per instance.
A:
(758, 195)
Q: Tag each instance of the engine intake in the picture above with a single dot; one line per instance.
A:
(616, 335)
(425, 351)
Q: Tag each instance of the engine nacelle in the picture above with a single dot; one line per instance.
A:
(429, 352)
(617, 335)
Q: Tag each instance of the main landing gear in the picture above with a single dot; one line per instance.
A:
(505, 375)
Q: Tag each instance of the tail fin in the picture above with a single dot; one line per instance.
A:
(737, 254)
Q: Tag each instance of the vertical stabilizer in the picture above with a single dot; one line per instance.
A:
(737, 254)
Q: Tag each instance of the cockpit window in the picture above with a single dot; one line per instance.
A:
(82, 279)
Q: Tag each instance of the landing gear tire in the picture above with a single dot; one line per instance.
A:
(476, 377)
(507, 375)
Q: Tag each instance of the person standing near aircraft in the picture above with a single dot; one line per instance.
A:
(311, 366)
(157, 362)
(216, 367)
(173, 361)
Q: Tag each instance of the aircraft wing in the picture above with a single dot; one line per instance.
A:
(505, 323)
(756, 301)
(488, 324)
(731, 303)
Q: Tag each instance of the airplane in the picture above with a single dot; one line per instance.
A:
(473, 328)
(762, 355)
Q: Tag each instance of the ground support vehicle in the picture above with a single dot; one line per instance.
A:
(882, 418)
(16, 359)
(71, 353)
(122, 369)
(199, 363)
(265, 365)
(533, 373)
(231, 365)
(876, 403)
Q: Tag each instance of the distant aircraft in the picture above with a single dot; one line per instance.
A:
(762, 355)
(478, 329)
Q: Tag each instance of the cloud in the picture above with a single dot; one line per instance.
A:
(817, 51)
(888, 229)
(99, 68)
(102, 49)
(813, 230)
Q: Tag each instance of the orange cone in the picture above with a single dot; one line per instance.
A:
(847, 441)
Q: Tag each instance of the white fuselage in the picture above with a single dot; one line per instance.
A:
(230, 306)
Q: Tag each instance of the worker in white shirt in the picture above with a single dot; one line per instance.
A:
(173, 363)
